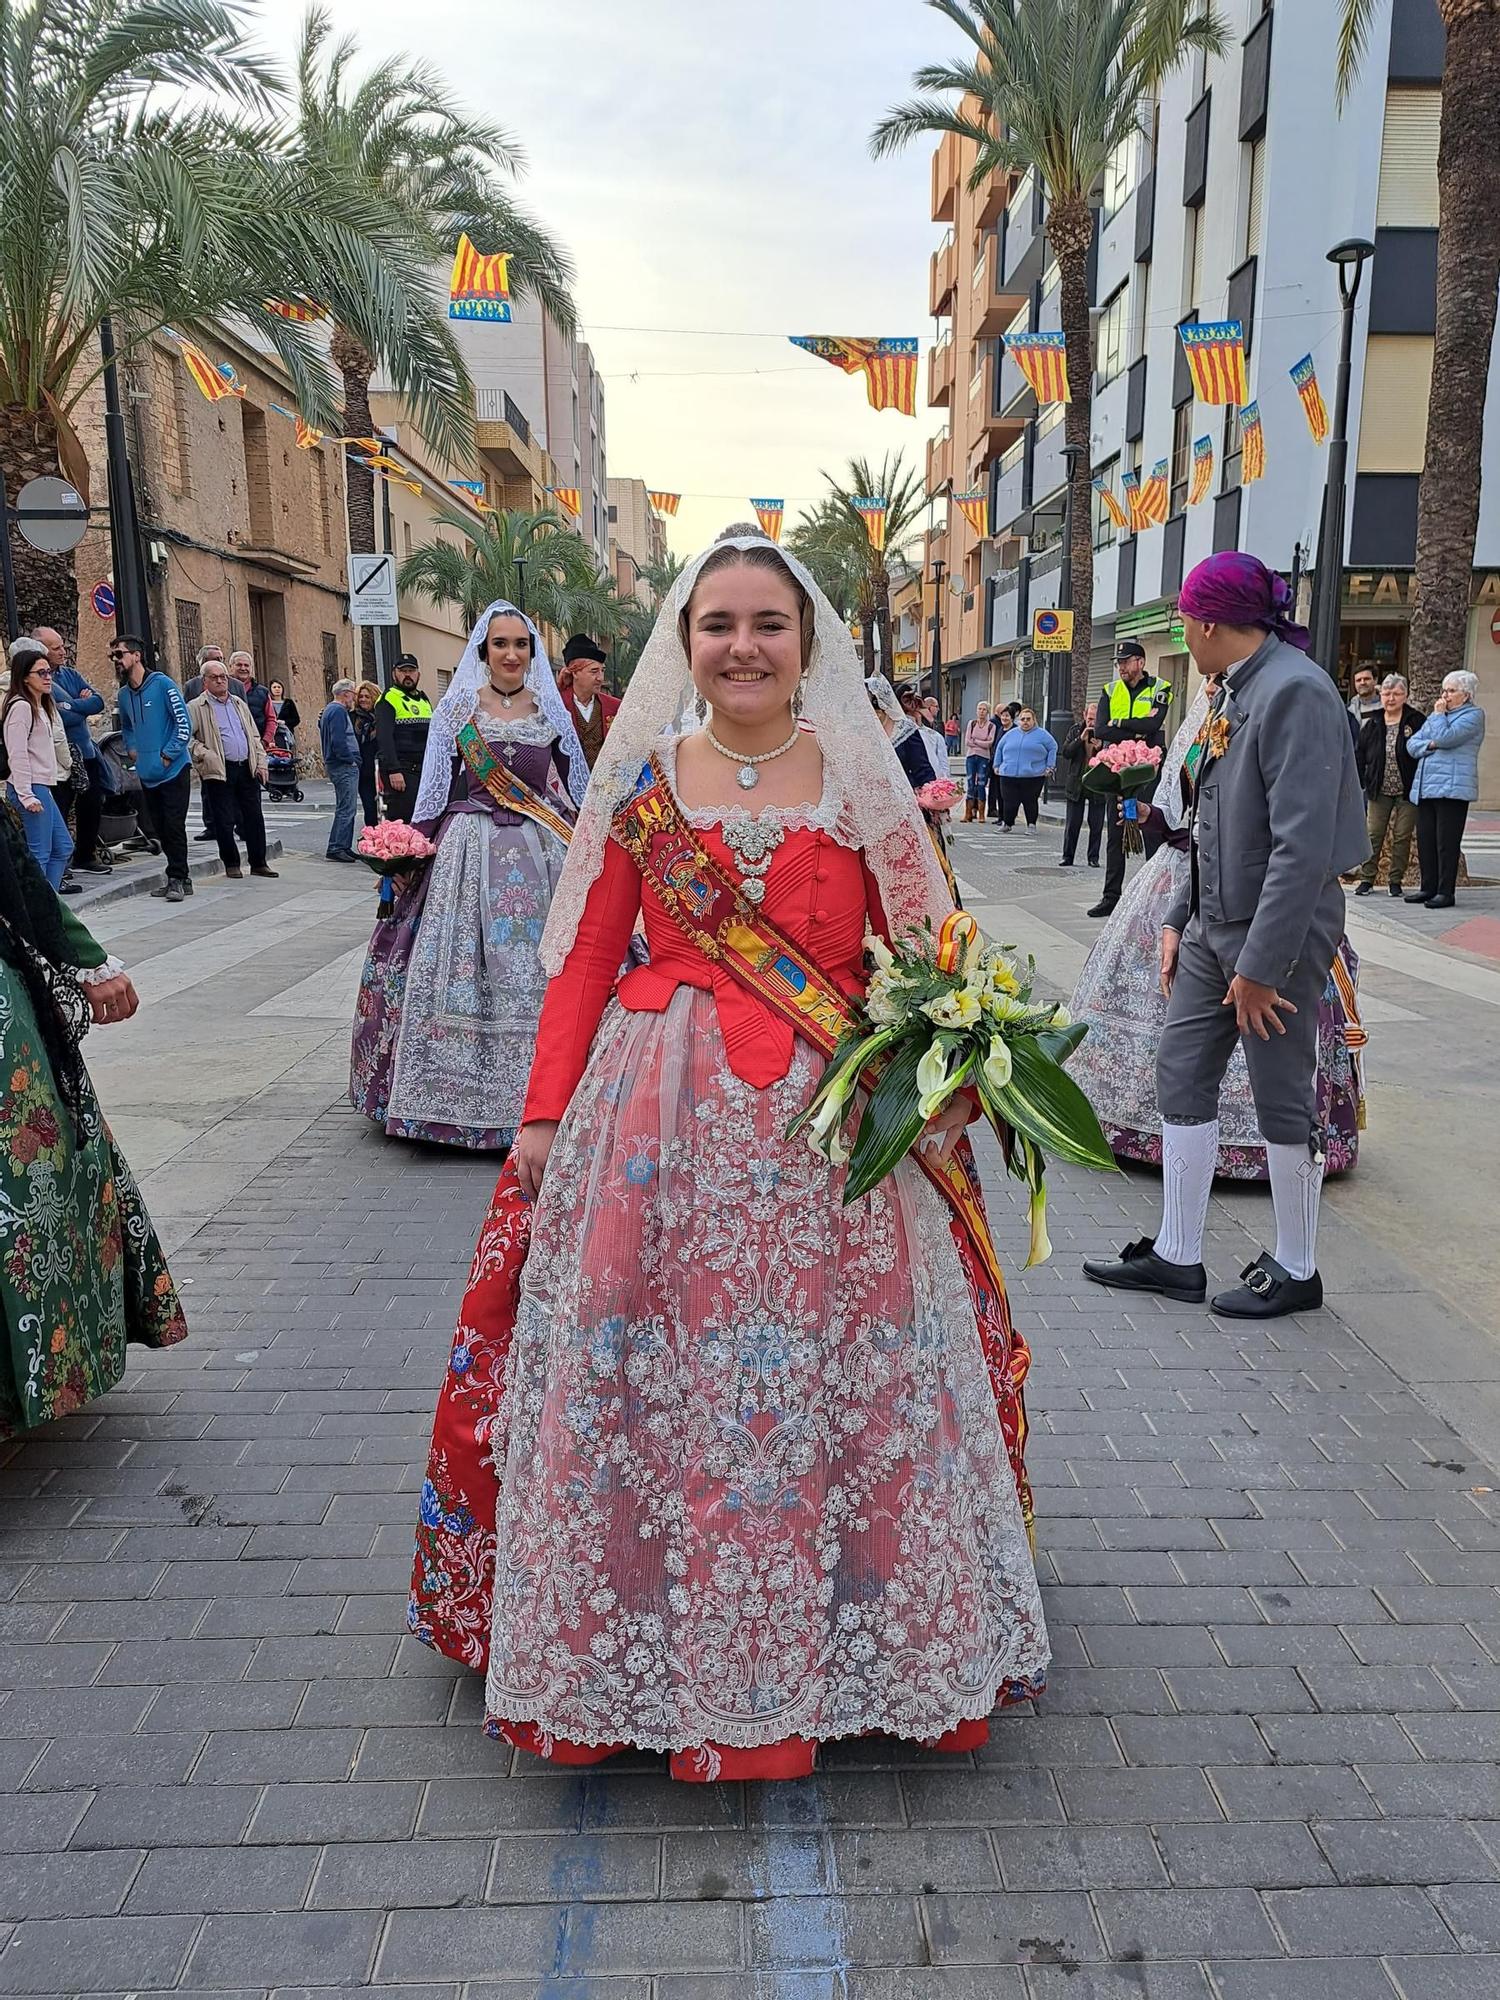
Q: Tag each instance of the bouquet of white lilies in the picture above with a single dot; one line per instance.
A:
(946, 1012)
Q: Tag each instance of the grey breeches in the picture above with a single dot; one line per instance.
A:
(1200, 1032)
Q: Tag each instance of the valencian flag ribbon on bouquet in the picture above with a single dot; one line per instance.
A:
(872, 510)
(975, 508)
(1043, 359)
(665, 503)
(1156, 495)
(1216, 360)
(216, 379)
(770, 514)
(1203, 470)
(1252, 445)
(570, 497)
(889, 366)
(480, 286)
(1305, 376)
(1130, 486)
(1110, 502)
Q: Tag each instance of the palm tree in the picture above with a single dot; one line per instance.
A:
(142, 178)
(1468, 284)
(659, 577)
(534, 561)
(401, 135)
(1054, 86)
(835, 545)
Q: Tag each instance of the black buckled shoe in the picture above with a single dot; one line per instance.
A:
(1265, 1291)
(1139, 1269)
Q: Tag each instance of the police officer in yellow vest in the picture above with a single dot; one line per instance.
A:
(1134, 704)
(402, 716)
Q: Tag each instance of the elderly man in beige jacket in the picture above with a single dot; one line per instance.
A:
(230, 761)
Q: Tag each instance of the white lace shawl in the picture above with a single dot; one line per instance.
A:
(1168, 794)
(878, 813)
(461, 700)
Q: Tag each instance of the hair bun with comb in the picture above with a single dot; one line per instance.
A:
(739, 531)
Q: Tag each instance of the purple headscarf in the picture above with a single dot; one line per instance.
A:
(1236, 589)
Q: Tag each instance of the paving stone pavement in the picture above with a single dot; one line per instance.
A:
(1265, 1768)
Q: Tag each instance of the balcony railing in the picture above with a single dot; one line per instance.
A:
(943, 280)
(496, 406)
(941, 372)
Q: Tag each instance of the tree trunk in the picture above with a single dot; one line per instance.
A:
(46, 585)
(1070, 229)
(357, 365)
(1468, 277)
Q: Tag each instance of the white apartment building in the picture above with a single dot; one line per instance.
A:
(1243, 176)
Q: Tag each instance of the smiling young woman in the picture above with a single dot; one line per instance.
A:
(748, 1460)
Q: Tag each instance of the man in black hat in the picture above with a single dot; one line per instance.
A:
(584, 696)
(1133, 704)
(403, 715)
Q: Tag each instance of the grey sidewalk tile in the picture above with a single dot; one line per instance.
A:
(1302, 1792)
(84, 1763)
(368, 1703)
(841, 1798)
(1135, 1981)
(166, 1816)
(1352, 1921)
(899, 1862)
(65, 1885)
(786, 1932)
(1081, 1857)
(38, 1824)
(1420, 1851)
(1459, 1791)
(1475, 1978)
(1271, 1854)
(322, 1948)
(254, 1756)
(62, 1663)
(1191, 1739)
(1472, 1912)
(155, 1663)
(1183, 1923)
(96, 1954)
(1167, 1646)
(572, 1939)
(222, 1880)
(1123, 1798)
(1043, 1741)
(989, 1798)
(1107, 1691)
(75, 1712)
(596, 1867)
(1015, 1928)
(1354, 1739)
(1306, 1979)
(402, 1874)
(1238, 1691)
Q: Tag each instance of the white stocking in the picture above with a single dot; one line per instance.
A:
(1188, 1153)
(1296, 1187)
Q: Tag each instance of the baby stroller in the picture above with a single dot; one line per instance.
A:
(281, 762)
(120, 826)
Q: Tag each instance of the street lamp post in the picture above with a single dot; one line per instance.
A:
(939, 567)
(1071, 454)
(132, 603)
(1350, 257)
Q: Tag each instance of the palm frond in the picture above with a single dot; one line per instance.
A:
(1356, 19)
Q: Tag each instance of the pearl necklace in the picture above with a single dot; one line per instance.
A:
(748, 777)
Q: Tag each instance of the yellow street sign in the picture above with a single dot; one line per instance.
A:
(1052, 631)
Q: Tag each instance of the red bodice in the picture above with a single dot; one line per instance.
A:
(817, 891)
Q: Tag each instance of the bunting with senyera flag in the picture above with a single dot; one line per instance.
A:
(1305, 376)
(1110, 502)
(308, 439)
(480, 285)
(889, 365)
(770, 514)
(570, 497)
(1156, 495)
(1043, 359)
(1252, 445)
(1203, 470)
(301, 312)
(975, 508)
(1130, 486)
(474, 486)
(873, 510)
(665, 503)
(215, 379)
(1215, 352)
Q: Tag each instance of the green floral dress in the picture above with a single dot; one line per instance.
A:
(81, 1271)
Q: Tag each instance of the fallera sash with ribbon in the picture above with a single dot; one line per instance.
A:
(706, 903)
(504, 787)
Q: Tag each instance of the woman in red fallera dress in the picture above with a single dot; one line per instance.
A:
(721, 1467)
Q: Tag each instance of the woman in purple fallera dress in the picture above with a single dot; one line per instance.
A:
(445, 1023)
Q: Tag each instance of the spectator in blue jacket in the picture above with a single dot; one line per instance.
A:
(341, 760)
(76, 701)
(1446, 748)
(154, 718)
(1025, 758)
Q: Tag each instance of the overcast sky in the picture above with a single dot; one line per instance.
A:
(707, 164)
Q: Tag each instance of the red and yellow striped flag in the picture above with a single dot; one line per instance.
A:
(665, 503)
(381, 461)
(975, 508)
(1156, 495)
(301, 312)
(1313, 407)
(570, 497)
(1109, 500)
(307, 438)
(1203, 471)
(1130, 486)
(1252, 445)
(1216, 360)
(873, 511)
(1043, 359)
(216, 379)
(770, 514)
(480, 286)
(889, 365)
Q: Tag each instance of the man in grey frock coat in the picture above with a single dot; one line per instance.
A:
(1277, 816)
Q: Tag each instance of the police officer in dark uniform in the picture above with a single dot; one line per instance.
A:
(402, 716)
(1134, 704)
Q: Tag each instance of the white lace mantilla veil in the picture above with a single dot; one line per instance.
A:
(877, 812)
(1168, 794)
(461, 699)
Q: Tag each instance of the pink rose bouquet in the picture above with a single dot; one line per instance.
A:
(1125, 771)
(941, 796)
(393, 849)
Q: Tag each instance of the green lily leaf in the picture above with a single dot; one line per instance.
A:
(1044, 1103)
(1059, 1043)
(891, 1123)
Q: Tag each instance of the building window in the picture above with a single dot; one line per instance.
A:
(1141, 318)
(1234, 444)
(324, 499)
(330, 663)
(1255, 195)
(1182, 454)
(1110, 347)
(1105, 531)
(1408, 197)
(1192, 259)
(1120, 174)
(189, 636)
(169, 382)
(257, 476)
(406, 537)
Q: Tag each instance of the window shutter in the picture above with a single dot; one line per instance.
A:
(1256, 206)
(1393, 408)
(1408, 160)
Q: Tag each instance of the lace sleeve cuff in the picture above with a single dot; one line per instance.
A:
(95, 975)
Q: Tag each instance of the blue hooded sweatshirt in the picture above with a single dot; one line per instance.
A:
(157, 730)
